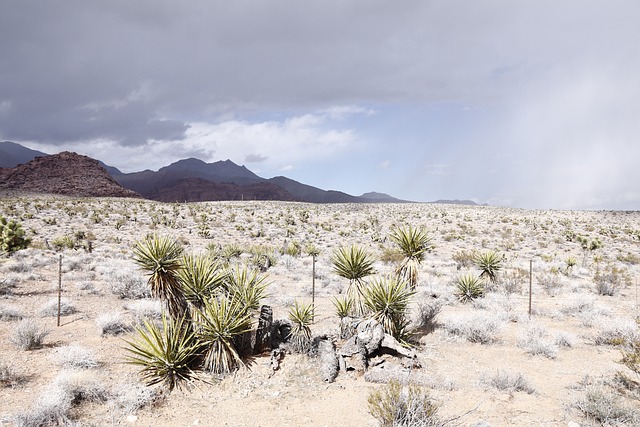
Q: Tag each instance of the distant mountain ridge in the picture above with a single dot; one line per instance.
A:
(192, 179)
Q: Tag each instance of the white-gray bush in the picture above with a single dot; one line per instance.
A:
(114, 323)
(482, 327)
(28, 335)
(601, 404)
(508, 381)
(10, 312)
(535, 339)
(145, 309)
(74, 356)
(50, 308)
(616, 331)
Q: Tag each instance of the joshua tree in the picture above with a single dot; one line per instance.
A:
(414, 243)
(161, 257)
(355, 264)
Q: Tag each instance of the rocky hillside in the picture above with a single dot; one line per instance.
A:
(198, 190)
(65, 173)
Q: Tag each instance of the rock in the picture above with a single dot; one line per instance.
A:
(384, 372)
(328, 360)
(390, 343)
(370, 333)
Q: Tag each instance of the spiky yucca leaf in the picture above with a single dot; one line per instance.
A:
(344, 306)
(353, 263)
(414, 243)
(220, 321)
(166, 355)
(301, 317)
(161, 257)
(469, 287)
(200, 277)
(247, 285)
(489, 264)
(388, 301)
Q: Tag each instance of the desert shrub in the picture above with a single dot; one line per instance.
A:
(478, 327)
(301, 317)
(166, 354)
(609, 280)
(12, 236)
(50, 308)
(600, 404)
(509, 382)
(564, 339)
(8, 376)
(579, 305)
(465, 259)
(536, 341)
(127, 284)
(127, 398)
(28, 335)
(511, 281)
(616, 332)
(394, 405)
(64, 242)
(631, 352)
(387, 300)
(427, 312)
(9, 312)
(551, 282)
(145, 309)
(54, 405)
(469, 287)
(74, 356)
(113, 323)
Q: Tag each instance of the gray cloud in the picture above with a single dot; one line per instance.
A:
(255, 158)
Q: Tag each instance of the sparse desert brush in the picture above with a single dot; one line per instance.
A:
(9, 312)
(535, 340)
(113, 323)
(616, 332)
(610, 279)
(126, 283)
(50, 308)
(74, 356)
(395, 405)
(482, 328)
(9, 377)
(465, 258)
(150, 309)
(551, 282)
(28, 335)
(564, 339)
(601, 404)
(426, 313)
(508, 381)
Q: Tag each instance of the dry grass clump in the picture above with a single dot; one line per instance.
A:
(113, 323)
(75, 356)
(395, 405)
(9, 312)
(480, 328)
(535, 340)
(9, 377)
(28, 335)
(508, 381)
(53, 407)
(601, 404)
(616, 332)
(50, 308)
(144, 309)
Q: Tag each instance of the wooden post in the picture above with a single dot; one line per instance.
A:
(313, 289)
(59, 286)
(530, 284)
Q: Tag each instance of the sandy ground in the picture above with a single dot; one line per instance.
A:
(454, 369)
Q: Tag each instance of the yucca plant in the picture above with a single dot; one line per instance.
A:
(344, 309)
(167, 354)
(387, 300)
(220, 321)
(353, 263)
(489, 263)
(301, 317)
(247, 285)
(200, 278)
(161, 257)
(414, 243)
(469, 287)
(12, 236)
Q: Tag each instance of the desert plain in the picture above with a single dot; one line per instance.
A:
(540, 348)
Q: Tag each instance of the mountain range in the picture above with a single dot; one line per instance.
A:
(187, 180)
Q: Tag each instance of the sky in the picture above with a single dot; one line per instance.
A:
(531, 103)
